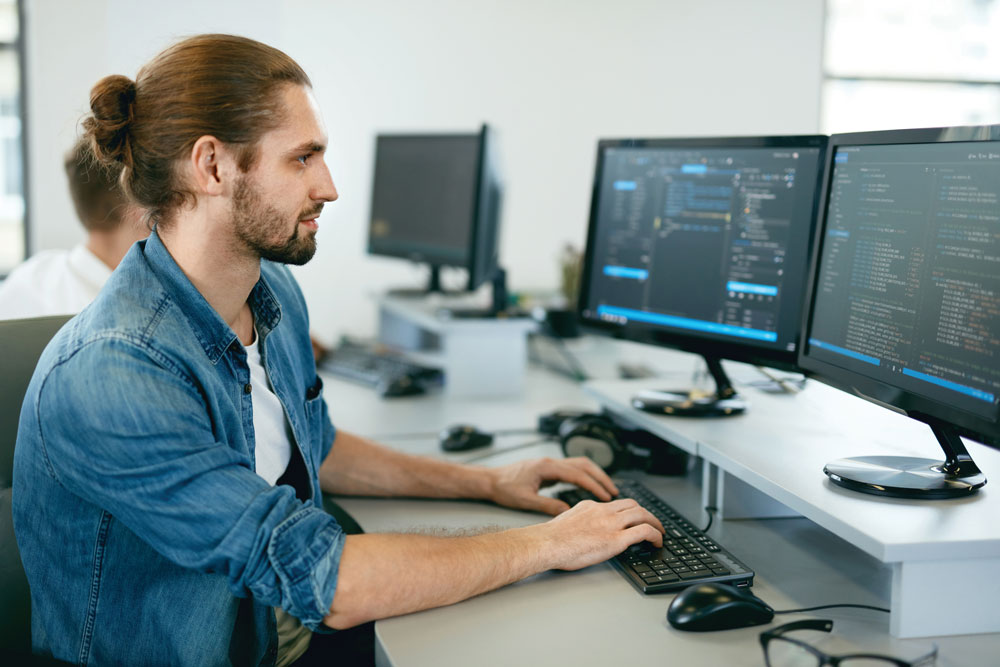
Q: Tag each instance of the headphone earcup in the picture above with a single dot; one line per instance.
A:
(550, 422)
(595, 437)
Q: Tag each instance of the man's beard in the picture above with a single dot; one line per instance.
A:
(255, 224)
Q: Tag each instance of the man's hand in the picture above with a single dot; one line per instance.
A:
(592, 532)
(517, 485)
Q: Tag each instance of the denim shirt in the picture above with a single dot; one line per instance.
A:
(145, 533)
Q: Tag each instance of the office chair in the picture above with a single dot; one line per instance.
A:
(21, 343)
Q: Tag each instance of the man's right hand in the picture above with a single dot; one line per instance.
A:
(592, 532)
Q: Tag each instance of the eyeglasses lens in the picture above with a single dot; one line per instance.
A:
(784, 653)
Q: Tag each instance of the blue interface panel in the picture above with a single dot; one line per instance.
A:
(710, 242)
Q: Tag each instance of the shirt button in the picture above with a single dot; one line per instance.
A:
(247, 388)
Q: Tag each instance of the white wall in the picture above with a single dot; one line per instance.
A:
(552, 76)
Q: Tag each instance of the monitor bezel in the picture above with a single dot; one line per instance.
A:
(917, 406)
(735, 350)
(484, 236)
(438, 256)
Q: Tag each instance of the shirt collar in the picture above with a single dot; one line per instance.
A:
(212, 332)
(88, 267)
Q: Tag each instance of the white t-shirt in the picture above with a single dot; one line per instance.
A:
(53, 282)
(273, 449)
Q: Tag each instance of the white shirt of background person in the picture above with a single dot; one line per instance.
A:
(64, 282)
(53, 282)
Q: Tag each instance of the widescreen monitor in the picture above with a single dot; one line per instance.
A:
(702, 244)
(436, 200)
(904, 299)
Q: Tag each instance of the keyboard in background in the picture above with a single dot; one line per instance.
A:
(688, 556)
(388, 374)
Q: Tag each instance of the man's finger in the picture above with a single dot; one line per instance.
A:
(633, 516)
(596, 472)
(581, 472)
(552, 506)
(643, 533)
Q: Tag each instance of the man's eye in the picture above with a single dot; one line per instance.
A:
(302, 158)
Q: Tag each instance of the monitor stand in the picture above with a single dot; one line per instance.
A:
(433, 286)
(723, 403)
(498, 302)
(908, 477)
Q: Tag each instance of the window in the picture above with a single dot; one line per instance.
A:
(12, 168)
(910, 63)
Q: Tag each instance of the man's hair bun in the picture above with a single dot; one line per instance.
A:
(112, 103)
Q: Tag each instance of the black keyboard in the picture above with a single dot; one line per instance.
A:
(386, 373)
(688, 556)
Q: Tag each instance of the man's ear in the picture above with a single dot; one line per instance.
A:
(212, 166)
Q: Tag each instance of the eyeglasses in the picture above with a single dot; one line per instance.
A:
(781, 651)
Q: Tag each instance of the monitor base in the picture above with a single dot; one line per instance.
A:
(419, 293)
(901, 477)
(482, 314)
(723, 403)
(688, 404)
(957, 476)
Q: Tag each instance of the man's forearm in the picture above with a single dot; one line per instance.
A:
(357, 466)
(388, 575)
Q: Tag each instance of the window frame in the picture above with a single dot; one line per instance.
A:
(828, 77)
(17, 46)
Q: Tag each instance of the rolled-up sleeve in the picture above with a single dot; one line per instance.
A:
(134, 434)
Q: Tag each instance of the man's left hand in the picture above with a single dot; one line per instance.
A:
(517, 485)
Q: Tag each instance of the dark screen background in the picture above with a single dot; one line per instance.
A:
(713, 239)
(908, 288)
(423, 197)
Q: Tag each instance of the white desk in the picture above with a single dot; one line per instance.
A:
(594, 617)
(780, 446)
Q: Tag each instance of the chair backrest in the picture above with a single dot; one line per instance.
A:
(21, 343)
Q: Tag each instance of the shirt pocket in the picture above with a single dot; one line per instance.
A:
(315, 422)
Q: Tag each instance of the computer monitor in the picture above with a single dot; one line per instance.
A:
(904, 296)
(436, 199)
(702, 244)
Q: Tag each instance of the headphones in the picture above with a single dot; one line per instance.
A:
(610, 445)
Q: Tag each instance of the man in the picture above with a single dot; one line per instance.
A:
(174, 440)
(58, 282)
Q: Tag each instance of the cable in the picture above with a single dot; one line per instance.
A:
(831, 606)
(579, 374)
(573, 369)
(498, 452)
(711, 515)
(787, 384)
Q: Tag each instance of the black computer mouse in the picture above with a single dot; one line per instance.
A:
(707, 607)
(401, 385)
(462, 437)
